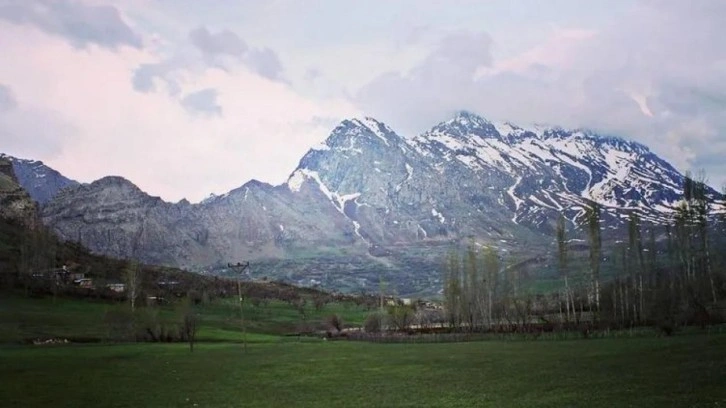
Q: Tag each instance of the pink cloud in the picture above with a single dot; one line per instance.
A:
(149, 137)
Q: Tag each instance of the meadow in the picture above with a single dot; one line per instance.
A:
(679, 371)
(24, 319)
(276, 369)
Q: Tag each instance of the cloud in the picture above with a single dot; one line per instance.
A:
(146, 77)
(79, 23)
(217, 47)
(7, 99)
(656, 74)
(204, 101)
(224, 42)
(440, 84)
(312, 73)
(222, 50)
(265, 62)
(94, 123)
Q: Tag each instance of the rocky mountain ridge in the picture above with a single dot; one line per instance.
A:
(39, 180)
(368, 202)
(16, 206)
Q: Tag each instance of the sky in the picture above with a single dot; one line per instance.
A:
(187, 98)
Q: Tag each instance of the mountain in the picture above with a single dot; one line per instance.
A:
(39, 180)
(16, 205)
(368, 204)
(538, 172)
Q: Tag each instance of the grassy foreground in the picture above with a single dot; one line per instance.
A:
(23, 318)
(687, 370)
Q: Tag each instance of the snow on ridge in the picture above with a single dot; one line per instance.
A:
(375, 127)
(619, 165)
(338, 200)
(426, 235)
(438, 215)
(517, 201)
(322, 146)
(296, 180)
(409, 173)
(505, 128)
(296, 183)
(342, 199)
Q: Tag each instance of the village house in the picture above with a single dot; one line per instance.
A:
(116, 287)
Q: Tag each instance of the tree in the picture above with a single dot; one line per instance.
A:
(473, 308)
(401, 316)
(452, 290)
(334, 322)
(190, 322)
(702, 208)
(491, 279)
(300, 304)
(562, 261)
(132, 274)
(635, 246)
(240, 268)
(373, 323)
(592, 215)
(691, 222)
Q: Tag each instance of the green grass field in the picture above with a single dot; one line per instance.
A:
(682, 371)
(686, 370)
(23, 318)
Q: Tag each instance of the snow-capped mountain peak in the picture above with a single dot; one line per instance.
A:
(544, 169)
(367, 196)
(465, 125)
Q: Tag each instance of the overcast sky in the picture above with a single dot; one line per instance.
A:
(188, 97)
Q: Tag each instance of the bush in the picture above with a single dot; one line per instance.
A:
(401, 317)
(373, 323)
(334, 323)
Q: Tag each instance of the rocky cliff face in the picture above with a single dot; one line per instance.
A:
(39, 180)
(368, 202)
(15, 203)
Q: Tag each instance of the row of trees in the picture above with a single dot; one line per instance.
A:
(665, 274)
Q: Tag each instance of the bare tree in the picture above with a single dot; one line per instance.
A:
(491, 277)
(240, 268)
(132, 274)
(334, 322)
(373, 323)
(635, 246)
(190, 322)
(562, 258)
(593, 223)
(452, 290)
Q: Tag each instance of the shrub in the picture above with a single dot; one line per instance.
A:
(373, 323)
(334, 322)
(401, 317)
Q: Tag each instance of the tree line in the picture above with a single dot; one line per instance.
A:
(666, 275)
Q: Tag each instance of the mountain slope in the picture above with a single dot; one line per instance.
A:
(16, 205)
(539, 172)
(39, 180)
(368, 202)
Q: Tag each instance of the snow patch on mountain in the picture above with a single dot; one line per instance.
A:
(438, 215)
(375, 127)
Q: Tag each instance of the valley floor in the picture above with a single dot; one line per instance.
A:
(680, 371)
